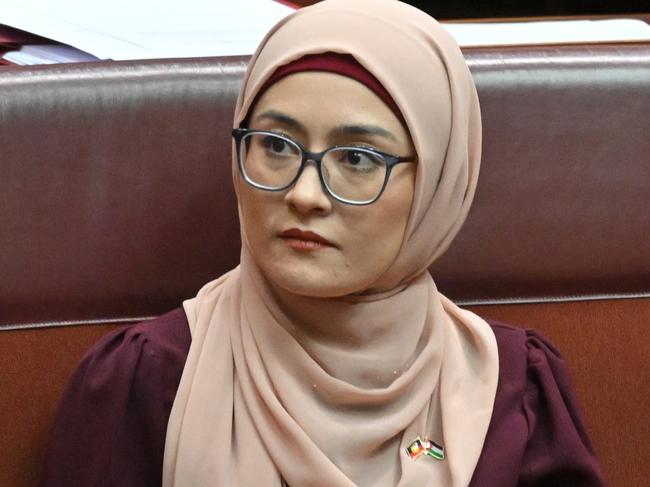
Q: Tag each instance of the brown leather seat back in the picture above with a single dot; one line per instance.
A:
(117, 195)
(562, 208)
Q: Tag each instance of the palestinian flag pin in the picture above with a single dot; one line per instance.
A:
(425, 447)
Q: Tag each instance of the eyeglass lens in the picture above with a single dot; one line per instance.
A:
(351, 173)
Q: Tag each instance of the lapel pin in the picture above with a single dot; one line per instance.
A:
(425, 447)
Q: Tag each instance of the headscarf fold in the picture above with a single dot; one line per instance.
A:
(330, 392)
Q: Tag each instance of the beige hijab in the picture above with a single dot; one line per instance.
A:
(330, 392)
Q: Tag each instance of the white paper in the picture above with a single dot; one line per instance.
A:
(47, 54)
(548, 32)
(147, 29)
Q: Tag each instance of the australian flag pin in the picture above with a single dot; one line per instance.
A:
(425, 447)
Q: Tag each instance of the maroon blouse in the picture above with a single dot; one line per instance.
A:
(111, 426)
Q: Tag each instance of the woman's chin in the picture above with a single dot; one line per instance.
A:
(312, 283)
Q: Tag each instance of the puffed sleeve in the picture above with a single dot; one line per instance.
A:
(111, 425)
(558, 451)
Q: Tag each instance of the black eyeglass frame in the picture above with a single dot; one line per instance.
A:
(391, 161)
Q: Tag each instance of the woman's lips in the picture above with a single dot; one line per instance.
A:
(304, 240)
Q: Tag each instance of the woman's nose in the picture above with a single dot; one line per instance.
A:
(307, 194)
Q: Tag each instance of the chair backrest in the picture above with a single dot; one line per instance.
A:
(116, 203)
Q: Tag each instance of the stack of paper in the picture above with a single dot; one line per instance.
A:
(12, 39)
(47, 54)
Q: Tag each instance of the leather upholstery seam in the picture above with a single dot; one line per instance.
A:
(54, 324)
(461, 302)
(552, 299)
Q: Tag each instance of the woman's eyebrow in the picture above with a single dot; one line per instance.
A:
(283, 118)
(340, 130)
(363, 130)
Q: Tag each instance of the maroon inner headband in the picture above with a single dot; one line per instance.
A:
(343, 64)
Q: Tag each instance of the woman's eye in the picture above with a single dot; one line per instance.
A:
(360, 160)
(275, 144)
(354, 158)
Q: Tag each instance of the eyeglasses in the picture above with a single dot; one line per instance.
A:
(349, 174)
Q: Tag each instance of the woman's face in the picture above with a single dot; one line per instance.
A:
(320, 110)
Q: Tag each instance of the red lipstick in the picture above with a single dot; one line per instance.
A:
(305, 240)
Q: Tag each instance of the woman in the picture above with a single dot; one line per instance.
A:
(328, 357)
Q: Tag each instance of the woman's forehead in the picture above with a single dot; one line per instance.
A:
(330, 97)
